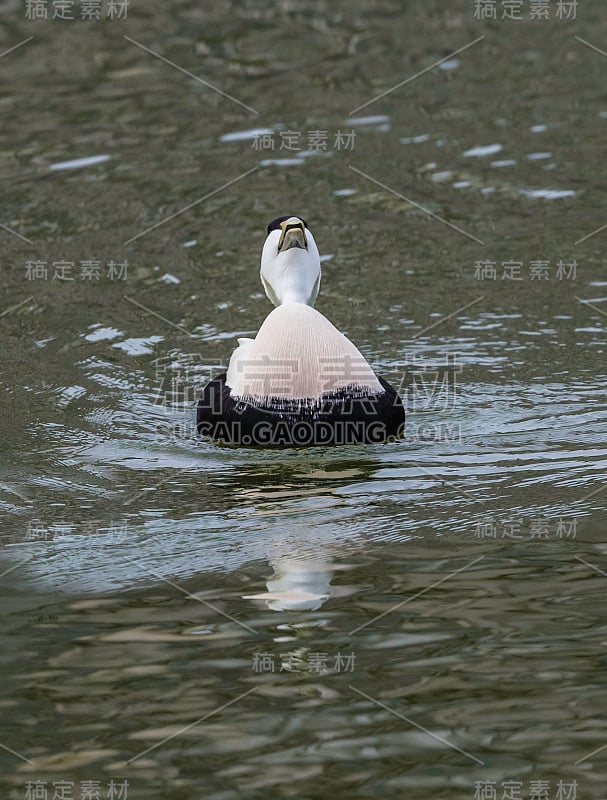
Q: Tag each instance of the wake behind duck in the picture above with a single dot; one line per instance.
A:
(299, 382)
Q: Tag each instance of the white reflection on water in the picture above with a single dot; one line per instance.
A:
(297, 585)
(78, 163)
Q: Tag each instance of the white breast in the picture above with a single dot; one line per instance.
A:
(298, 355)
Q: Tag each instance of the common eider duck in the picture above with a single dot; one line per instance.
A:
(299, 382)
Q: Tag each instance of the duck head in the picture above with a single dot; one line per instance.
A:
(290, 262)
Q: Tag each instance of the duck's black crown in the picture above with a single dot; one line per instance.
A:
(275, 224)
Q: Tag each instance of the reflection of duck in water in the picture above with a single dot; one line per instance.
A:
(300, 381)
(297, 585)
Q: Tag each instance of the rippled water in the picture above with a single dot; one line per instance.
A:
(422, 619)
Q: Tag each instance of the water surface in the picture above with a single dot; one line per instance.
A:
(422, 619)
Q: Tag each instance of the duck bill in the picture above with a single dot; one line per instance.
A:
(292, 236)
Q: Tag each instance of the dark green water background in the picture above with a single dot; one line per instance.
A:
(130, 550)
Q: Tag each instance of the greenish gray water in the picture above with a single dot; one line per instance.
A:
(423, 619)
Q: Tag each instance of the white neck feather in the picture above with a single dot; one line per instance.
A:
(291, 276)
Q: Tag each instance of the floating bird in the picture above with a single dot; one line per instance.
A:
(299, 382)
